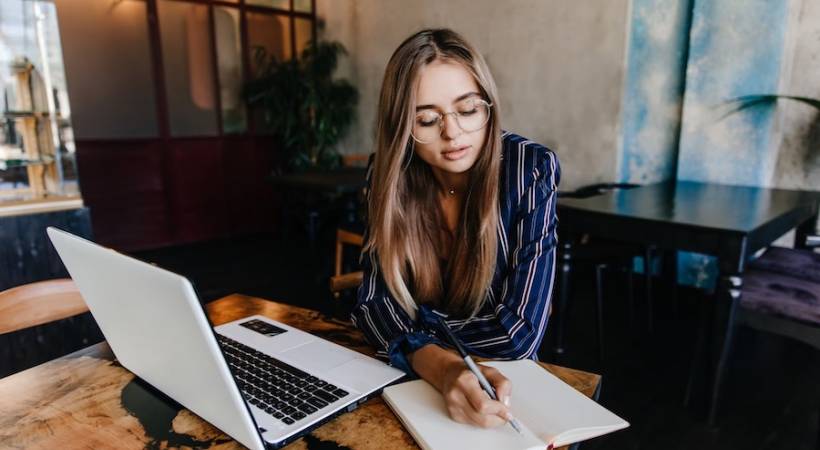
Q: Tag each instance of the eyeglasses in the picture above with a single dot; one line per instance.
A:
(471, 114)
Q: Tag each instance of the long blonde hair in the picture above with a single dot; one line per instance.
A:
(404, 213)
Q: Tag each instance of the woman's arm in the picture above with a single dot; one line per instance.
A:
(395, 336)
(466, 401)
(521, 312)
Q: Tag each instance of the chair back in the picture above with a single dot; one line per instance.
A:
(341, 281)
(41, 321)
(39, 303)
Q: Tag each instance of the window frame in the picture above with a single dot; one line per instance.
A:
(244, 9)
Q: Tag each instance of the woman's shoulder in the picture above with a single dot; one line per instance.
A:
(524, 161)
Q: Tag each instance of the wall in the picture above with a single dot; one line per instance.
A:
(736, 48)
(559, 67)
(798, 155)
(653, 91)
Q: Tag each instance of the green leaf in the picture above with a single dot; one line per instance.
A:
(305, 108)
(750, 101)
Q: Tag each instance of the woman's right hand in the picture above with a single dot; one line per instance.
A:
(466, 401)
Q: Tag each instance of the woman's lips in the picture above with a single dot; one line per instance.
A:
(454, 155)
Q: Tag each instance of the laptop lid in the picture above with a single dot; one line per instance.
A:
(156, 327)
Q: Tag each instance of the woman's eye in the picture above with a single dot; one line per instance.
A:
(426, 121)
(469, 112)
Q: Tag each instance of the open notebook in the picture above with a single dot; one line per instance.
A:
(552, 413)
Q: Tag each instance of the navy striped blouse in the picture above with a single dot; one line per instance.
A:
(513, 319)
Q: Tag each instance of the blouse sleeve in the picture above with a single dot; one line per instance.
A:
(385, 324)
(526, 291)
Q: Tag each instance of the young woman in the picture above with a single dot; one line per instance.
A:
(461, 225)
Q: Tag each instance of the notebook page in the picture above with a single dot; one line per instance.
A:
(422, 410)
(554, 410)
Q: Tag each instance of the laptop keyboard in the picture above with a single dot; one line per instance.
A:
(283, 391)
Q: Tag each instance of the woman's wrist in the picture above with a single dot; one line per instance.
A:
(432, 363)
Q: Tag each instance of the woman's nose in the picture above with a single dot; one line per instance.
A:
(451, 129)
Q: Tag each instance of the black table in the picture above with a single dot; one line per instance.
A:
(313, 188)
(338, 181)
(728, 222)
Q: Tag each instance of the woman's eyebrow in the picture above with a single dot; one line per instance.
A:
(458, 99)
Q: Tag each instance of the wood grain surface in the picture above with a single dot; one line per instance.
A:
(86, 400)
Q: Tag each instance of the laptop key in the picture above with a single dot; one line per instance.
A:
(287, 420)
(317, 402)
(340, 393)
(326, 396)
(304, 395)
(306, 408)
(298, 415)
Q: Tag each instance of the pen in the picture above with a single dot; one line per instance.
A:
(485, 385)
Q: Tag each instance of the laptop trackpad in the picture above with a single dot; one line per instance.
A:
(318, 356)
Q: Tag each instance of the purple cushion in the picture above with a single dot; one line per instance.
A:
(789, 261)
(782, 295)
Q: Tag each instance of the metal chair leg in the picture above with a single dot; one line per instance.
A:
(599, 307)
(647, 269)
(817, 444)
(630, 295)
(699, 351)
(732, 291)
(563, 298)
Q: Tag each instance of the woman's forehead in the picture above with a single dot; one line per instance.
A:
(442, 83)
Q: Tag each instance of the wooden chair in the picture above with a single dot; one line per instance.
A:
(29, 328)
(355, 159)
(342, 281)
(39, 303)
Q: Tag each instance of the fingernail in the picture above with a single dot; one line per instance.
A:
(508, 416)
(506, 400)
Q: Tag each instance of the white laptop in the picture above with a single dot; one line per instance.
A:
(260, 381)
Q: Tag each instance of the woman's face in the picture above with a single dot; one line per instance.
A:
(446, 87)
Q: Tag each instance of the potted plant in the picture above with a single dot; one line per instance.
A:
(303, 105)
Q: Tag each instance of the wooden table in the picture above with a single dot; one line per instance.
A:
(87, 400)
(728, 222)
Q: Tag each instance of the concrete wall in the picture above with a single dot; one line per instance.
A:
(559, 67)
(798, 155)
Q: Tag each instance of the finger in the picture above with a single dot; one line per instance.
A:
(462, 410)
(457, 406)
(483, 410)
(502, 385)
(485, 420)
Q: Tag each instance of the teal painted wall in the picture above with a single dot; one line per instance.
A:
(653, 90)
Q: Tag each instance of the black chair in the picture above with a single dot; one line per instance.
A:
(605, 255)
(781, 295)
